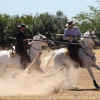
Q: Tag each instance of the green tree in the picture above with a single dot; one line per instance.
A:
(90, 20)
(4, 19)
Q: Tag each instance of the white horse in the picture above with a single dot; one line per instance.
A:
(14, 62)
(86, 54)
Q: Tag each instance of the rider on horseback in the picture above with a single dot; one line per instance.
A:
(71, 34)
(21, 45)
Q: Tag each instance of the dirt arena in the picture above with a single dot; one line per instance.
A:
(86, 92)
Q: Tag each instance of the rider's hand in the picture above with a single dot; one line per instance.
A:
(29, 43)
(70, 36)
(25, 39)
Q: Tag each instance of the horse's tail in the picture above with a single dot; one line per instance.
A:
(48, 59)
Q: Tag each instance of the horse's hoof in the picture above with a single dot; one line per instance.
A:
(98, 88)
(76, 88)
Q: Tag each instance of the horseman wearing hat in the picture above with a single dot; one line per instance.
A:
(21, 45)
(71, 34)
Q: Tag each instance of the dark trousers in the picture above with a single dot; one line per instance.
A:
(73, 50)
(20, 49)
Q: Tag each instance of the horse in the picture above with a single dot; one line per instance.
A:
(85, 53)
(7, 61)
(47, 79)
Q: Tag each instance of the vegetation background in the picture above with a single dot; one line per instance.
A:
(47, 24)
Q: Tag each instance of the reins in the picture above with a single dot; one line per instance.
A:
(35, 48)
(88, 54)
(87, 47)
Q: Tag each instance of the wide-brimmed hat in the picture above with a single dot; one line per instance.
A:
(71, 22)
(22, 25)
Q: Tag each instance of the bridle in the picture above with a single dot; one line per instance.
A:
(35, 48)
(86, 48)
(96, 43)
(43, 39)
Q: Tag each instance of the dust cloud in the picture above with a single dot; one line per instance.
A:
(13, 87)
(36, 85)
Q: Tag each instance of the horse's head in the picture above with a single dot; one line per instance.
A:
(44, 41)
(92, 38)
(95, 38)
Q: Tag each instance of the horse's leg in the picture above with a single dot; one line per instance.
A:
(95, 65)
(57, 63)
(92, 76)
(2, 69)
(54, 73)
(68, 70)
(38, 68)
(59, 70)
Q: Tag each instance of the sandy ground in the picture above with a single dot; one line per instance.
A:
(86, 92)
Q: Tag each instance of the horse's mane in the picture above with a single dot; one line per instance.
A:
(86, 34)
(36, 36)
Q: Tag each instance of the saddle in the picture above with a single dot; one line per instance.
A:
(77, 59)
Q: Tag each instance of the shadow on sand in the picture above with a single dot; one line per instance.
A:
(85, 89)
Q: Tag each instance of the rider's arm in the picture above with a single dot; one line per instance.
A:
(65, 35)
(78, 32)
